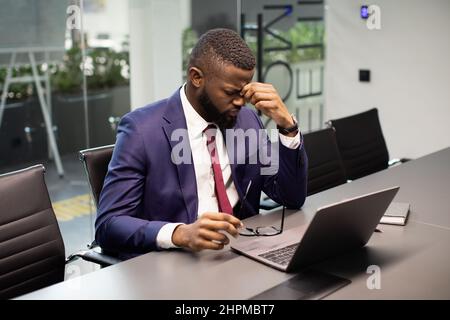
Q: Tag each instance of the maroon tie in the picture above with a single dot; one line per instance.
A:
(221, 194)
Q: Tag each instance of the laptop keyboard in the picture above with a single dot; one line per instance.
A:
(280, 256)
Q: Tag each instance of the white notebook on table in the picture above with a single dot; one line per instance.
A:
(397, 213)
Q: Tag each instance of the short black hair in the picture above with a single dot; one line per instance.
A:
(222, 46)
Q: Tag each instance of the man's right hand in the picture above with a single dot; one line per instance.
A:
(205, 232)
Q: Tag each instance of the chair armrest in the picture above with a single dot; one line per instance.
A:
(394, 162)
(94, 256)
(268, 204)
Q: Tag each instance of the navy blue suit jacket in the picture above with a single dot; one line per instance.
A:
(144, 189)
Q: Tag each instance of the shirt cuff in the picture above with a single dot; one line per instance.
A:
(164, 237)
(291, 142)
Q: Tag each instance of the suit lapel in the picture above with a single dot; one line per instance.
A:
(175, 119)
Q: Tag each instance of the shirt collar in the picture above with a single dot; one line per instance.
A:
(194, 122)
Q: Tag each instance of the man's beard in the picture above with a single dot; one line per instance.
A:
(212, 113)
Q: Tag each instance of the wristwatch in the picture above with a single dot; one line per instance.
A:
(289, 129)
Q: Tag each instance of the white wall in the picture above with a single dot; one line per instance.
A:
(156, 28)
(410, 70)
(113, 19)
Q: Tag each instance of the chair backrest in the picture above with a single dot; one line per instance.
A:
(32, 254)
(96, 161)
(325, 167)
(361, 143)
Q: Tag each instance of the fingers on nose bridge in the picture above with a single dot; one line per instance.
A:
(239, 101)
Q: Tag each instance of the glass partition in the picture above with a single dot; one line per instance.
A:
(288, 41)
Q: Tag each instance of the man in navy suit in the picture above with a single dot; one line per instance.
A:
(187, 169)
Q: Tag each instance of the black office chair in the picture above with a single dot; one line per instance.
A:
(32, 253)
(325, 167)
(95, 162)
(361, 143)
(31, 247)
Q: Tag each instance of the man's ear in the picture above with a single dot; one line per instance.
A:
(196, 76)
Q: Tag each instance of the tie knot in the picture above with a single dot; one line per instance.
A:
(210, 132)
(210, 127)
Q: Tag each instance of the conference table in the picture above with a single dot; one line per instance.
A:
(413, 260)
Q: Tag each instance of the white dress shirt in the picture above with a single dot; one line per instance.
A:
(207, 201)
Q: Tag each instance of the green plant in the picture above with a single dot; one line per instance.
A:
(67, 76)
(17, 91)
(305, 33)
(302, 33)
(104, 68)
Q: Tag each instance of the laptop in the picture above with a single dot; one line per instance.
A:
(335, 229)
